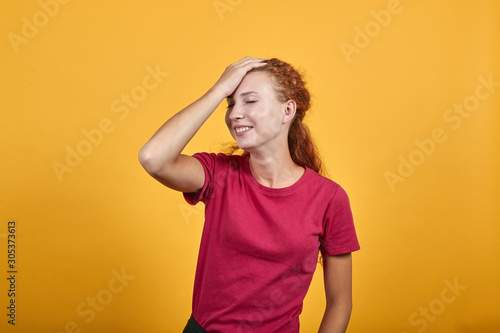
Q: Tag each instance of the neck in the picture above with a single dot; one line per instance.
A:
(276, 169)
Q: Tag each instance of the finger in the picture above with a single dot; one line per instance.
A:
(252, 59)
(249, 60)
(249, 66)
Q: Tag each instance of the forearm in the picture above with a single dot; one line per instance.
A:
(168, 142)
(335, 319)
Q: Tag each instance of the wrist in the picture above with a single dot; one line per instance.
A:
(217, 92)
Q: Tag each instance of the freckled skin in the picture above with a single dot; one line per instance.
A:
(260, 110)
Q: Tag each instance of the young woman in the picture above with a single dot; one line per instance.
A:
(268, 212)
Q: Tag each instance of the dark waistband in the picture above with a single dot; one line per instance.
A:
(193, 327)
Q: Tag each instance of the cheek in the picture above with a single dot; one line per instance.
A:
(276, 119)
(271, 124)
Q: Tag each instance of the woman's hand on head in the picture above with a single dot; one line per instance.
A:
(234, 73)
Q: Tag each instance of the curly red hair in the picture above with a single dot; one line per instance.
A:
(290, 85)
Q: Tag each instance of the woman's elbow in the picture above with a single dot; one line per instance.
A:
(345, 304)
(148, 162)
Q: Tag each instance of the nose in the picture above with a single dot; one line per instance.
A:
(236, 112)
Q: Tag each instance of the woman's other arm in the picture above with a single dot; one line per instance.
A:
(337, 272)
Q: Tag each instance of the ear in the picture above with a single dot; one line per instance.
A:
(289, 109)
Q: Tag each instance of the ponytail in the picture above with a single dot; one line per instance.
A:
(302, 148)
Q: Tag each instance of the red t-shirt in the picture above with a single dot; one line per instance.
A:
(259, 246)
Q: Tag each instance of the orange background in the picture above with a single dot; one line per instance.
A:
(401, 114)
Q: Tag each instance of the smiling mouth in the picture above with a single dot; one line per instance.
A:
(242, 129)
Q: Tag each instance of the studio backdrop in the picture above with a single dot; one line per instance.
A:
(405, 113)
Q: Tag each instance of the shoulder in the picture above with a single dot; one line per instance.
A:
(326, 186)
(322, 181)
(219, 159)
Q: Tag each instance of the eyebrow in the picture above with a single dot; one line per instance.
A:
(243, 94)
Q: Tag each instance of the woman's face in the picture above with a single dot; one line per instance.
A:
(255, 118)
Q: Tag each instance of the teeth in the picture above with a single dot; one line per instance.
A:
(242, 129)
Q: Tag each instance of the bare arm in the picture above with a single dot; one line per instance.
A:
(338, 290)
(161, 155)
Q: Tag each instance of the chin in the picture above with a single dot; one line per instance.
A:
(242, 145)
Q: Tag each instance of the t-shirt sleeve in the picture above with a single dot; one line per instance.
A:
(339, 233)
(209, 163)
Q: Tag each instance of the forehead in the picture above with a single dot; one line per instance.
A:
(259, 82)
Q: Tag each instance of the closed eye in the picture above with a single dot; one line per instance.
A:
(247, 102)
